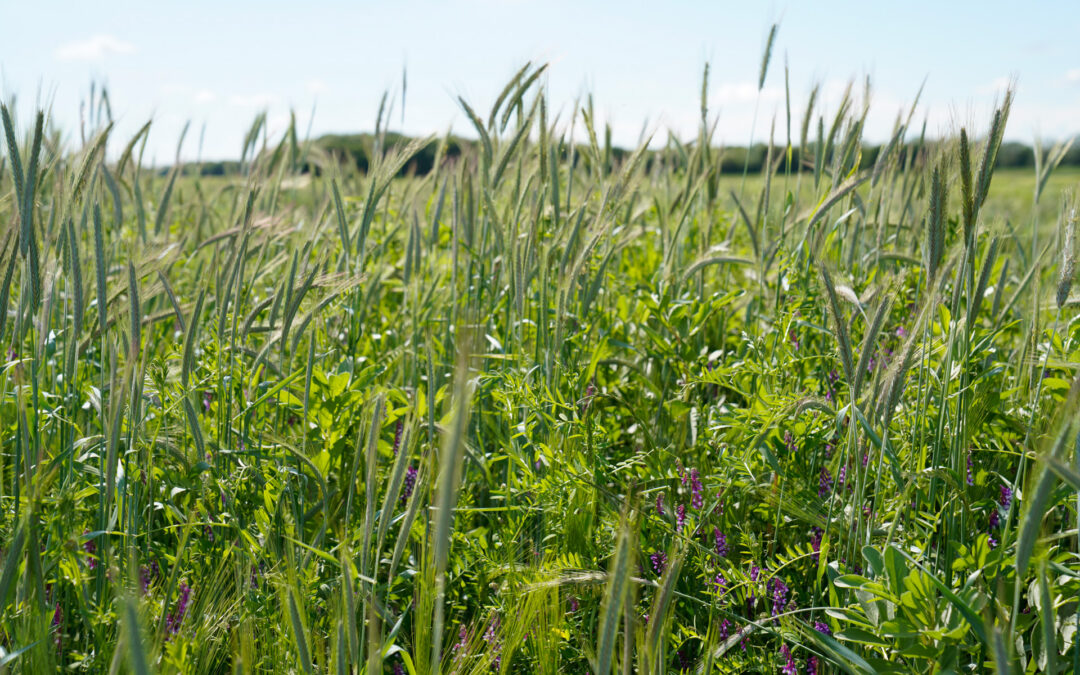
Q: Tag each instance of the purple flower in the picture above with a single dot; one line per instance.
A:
(173, 621)
(970, 476)
(721, 542)
(397, 436)
(815, 542)
(841, 477)
(90, 548)
(721, 585)
(995, 520)
(696, 499)
(573, 605)
(789, 665)
(684, 663)
(147, 574)
(680, 517)
(718, 510)
(57, 620)
(659, 562)
(660, 503)
(491, 638)
(825, 482)
(207, 398)
(398, 669)
(779, 595)
(789, 441)
(822, 627)
(725, 628)
(1006, 497)
(410, 483)
(458, 647)
(812, 666)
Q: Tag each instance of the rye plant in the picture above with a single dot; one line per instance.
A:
(550, 406)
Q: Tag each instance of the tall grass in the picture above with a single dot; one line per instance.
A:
(550, 407)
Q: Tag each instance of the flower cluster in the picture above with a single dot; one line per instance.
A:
(494, 643)
(397, 436)
(721, 542)
(789, 661)
(721, 584)
(173, 621)
(696, 498)
(147, 574)
(779, 595)
(659, 562)
(815, 542)
(825, 483)
(410, 483)
(90, 548)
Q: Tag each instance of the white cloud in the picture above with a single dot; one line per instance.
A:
(204, 96)
(94, 48)
(252, 100)
(1073, 76)
(316, 87)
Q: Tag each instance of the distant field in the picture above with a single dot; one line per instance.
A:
(520, 415)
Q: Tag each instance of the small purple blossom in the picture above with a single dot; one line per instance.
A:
(147, 574)
(659, 562)
(696, 498)
(1006, 497)
(822, 627)
(721, 542)
(173, 621)
(721, 584)
(397, 436)
(410, 483)
(725, 629)
(825, 483)
(494, 643)
(458, 647)
(660, 503)
(57, 620)
(789, 665)
(970, 474)
(779, 595)
(815, 542)
(90, 548)
(680, 517)
(574, 605)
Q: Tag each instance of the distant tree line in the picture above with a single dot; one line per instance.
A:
(358, 149)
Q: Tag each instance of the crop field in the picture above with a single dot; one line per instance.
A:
(546, 408)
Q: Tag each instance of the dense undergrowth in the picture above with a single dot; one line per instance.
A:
(541, 410)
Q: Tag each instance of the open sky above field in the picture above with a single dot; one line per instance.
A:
(219, 63)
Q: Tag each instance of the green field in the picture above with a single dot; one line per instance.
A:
(525, 414)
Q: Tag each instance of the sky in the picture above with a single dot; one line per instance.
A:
(218, 64)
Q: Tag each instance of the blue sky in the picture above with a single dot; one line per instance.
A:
(219, 63)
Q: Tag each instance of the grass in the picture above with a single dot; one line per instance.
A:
(532, 414)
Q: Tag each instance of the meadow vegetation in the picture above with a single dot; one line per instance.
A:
(545, 408)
